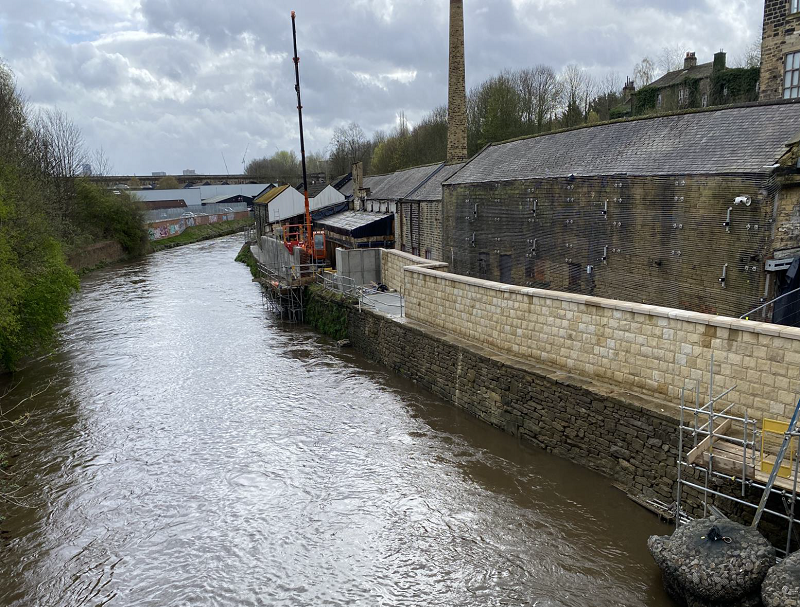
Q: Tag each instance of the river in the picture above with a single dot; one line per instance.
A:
(189, 449)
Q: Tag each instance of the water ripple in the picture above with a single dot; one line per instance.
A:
(193, 451)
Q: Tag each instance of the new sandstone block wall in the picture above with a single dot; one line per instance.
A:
(643, 349)
(393, 262)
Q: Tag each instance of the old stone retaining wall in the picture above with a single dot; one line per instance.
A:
(158, 230)
(629, 438)
(648, 350)
(96, 254)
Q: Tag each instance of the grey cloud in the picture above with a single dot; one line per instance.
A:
(169, 84)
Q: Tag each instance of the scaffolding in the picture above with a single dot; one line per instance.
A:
(284, 288)
(719, 445)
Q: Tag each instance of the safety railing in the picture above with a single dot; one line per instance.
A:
(337, 283)
(384, 301)
(369, 296)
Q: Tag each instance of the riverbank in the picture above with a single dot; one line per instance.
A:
(629, 438)
(194, 234)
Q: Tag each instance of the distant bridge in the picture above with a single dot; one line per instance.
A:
(150, 180)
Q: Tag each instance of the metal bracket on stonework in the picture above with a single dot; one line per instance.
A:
(727, 222)
(724, 276)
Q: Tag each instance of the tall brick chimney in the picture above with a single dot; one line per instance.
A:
(457, 96)
(690, 61)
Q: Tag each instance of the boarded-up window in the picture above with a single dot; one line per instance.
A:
(505, 268)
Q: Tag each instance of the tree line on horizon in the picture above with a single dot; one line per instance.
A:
(511, 104)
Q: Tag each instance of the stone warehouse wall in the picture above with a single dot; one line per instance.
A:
(642, 349)
(393, 262)
(655, 240)
(419, 225)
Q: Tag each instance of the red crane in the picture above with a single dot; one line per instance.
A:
(314, 244)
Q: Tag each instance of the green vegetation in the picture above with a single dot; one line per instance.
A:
(198, 233)
(327, 312)
(646, 98)
(737, 85)
(245, 256)
(46, 211)
(168, 183)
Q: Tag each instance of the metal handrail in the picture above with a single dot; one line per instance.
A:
(364, 298)
(744, 316)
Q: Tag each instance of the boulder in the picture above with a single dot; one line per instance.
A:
(713, 563)
(781, 588)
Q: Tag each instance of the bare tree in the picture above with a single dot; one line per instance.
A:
(540, 91)
(644, 72)
(101, 164)
(671, 58)
(66, 150)
(577, 91)
(750, 56)
(348, 145)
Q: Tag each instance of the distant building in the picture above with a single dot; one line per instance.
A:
(189, 172)
(158, 205)
(694, 86)
(86, 170)
(159, 174)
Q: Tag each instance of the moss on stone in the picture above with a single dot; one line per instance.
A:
(327, 312)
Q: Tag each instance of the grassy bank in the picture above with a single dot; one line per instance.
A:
(245, 256)
(198, 233)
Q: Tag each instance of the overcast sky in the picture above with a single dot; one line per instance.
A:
(166, 85)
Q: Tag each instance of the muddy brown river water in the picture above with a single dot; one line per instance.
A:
(191, 450)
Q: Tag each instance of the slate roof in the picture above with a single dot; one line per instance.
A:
(271, 195)
(226, 198)
(697, 72)
(358, 224)
(734, 140)
(432, 189)
(400, 184)
(347, 189)
(314, 188)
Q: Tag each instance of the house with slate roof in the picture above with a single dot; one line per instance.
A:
(419, 215)
(699, 211)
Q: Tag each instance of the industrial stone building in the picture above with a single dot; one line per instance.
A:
(697, 211)
(419, 216)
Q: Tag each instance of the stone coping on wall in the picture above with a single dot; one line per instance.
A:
(417, 261)
(613, 304)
